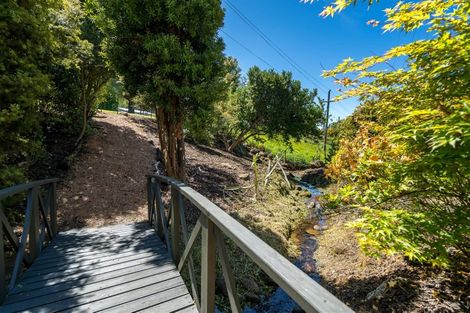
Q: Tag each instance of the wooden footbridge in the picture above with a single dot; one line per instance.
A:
(134, 268)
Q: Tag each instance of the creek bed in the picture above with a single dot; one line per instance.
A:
(279, 301)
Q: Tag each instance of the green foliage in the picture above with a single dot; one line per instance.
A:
(301, 152)
(409, 157)
(209, 121)
(43, 44)
(24, 38)
(168, 49)
(111, 96)
(420, 236)
(200, 126)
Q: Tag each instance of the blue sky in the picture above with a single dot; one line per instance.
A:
(313, 42)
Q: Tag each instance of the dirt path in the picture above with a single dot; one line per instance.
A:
(106, 184)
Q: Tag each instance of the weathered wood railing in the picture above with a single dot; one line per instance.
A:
(214, 224)
(40, 221)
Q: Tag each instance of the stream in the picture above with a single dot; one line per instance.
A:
(279, 301)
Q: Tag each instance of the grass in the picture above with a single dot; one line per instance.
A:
(303, 152)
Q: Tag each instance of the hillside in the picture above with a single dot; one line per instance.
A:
(106, 184)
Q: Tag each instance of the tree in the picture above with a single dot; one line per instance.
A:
(77, 70)
(169, 51)
(205, 124)
(270, 104)
(94, 72)
(42, 91)
(24, 41)
(407, 165)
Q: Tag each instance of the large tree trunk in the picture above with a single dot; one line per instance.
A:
(170, 132)
(236, 142)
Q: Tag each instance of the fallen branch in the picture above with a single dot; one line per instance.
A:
(238, 188)
(272, 169)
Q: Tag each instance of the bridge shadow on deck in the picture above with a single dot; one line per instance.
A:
(119, 268)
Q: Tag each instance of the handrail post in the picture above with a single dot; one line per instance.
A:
(149, 200)
(53, 208)
(159, 209)
(208, 266)
(175, 225)
(34, 238)
(3, 279)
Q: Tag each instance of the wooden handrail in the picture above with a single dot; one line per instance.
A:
(213, 224)
(40, 220)
(10, 191)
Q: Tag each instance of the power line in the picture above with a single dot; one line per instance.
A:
(246, 48)
(276, 48)
(341, 109)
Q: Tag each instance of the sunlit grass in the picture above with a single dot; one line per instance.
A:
(303, 152)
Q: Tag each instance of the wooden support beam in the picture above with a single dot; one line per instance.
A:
(11, 236)
(162, 221)
(228, 273)
(190, 243)
(208, 266)
(186, 240)
(175, 225)
(3, 278)
(149, 200)
(53, 208)
(43, 211)
(34, 236)
(9, 233)
(24, 237)
(159, 208)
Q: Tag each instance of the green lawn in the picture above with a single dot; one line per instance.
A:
(303, 152)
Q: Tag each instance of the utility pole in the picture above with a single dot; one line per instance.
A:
(327, 117)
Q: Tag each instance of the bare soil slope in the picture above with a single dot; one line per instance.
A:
(106, 184)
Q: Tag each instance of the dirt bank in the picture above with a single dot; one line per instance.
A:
(389, 284)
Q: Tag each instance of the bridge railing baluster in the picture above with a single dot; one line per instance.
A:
(208, 265)
(227, 272)
(186, 240)
(40, 222)
(3, 278)
(175, 225)
(53, 208)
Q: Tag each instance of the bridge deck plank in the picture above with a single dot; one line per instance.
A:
(122, 268)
